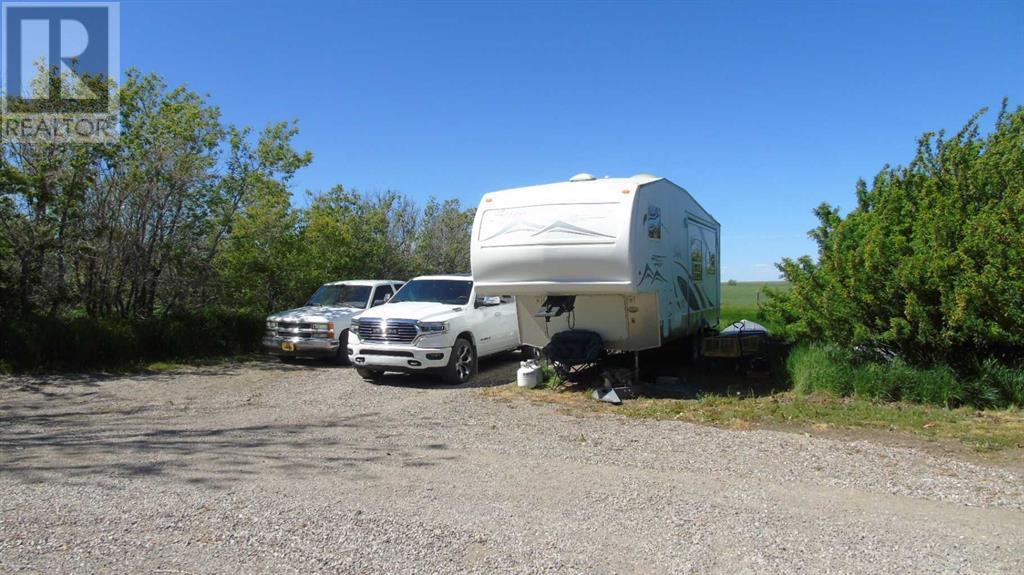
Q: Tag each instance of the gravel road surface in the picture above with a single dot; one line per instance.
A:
(273, 468)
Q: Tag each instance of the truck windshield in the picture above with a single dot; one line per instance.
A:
(452, 292)
(341, 296)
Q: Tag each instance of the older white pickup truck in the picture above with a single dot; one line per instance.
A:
(320, 328)
(434, 324)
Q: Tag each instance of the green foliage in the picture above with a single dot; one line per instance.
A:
(822, 368)
(549, 377)
(185, 217)
(442, 246)
(36, 342)
(257, 262)
(1007, 382)
(929, 265)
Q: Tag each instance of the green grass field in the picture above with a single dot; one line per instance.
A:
(740, 301)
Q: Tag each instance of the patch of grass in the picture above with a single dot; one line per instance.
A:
(550, 379)
(740, 301)
(733, 313)
(835, 370)
(193, 362)
(749, 293)
(146, 367)
(988, 430)
(163, 366)
(982, 430)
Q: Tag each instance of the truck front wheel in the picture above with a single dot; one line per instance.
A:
(462, 363)
(341, 358)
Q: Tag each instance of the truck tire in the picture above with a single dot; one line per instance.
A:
(341, 358)
(370, 375)
(461, 364)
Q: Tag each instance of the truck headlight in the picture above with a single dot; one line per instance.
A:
(432, 327)
(271, 325)
(354, 325)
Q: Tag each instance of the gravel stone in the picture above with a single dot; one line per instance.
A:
(266, 467)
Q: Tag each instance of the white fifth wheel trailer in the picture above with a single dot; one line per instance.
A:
(635, 260)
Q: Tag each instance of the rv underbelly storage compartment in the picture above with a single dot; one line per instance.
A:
(635, 260)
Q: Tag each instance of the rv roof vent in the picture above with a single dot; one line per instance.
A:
(584, 177)
(645, 176)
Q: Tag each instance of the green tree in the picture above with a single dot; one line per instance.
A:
(256, 240)
(442, 245)
(930, 263)
(348, 234)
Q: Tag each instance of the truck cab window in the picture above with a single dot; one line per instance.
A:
(382, 295)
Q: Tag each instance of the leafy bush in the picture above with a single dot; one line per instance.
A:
(80, 342)
(929, 266)
(1005, 381)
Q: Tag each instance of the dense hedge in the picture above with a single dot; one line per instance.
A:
(37, 342)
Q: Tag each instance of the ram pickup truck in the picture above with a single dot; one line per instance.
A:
(320, 328)
(434, 324)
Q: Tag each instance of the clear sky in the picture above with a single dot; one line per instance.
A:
(762, 110)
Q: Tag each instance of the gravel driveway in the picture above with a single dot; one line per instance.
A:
(268, 467)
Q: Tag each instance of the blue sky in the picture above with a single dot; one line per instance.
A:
(761, 110)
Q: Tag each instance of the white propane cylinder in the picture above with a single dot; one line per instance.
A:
(528, 375)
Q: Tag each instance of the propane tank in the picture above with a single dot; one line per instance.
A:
(528, 375)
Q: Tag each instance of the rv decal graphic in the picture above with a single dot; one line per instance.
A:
(513, 228)
(651, 275)
(691, 299)
(558, 226)
(694, 294)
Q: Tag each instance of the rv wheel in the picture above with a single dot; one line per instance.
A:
(694, 347)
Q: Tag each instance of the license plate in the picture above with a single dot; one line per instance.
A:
(288, 346)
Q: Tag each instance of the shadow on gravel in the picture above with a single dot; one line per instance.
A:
(84, 447)
(55, 384)
(493, 371)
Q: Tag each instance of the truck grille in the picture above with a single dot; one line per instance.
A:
(387, 330)
(298, 329)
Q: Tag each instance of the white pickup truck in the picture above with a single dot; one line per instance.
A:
(434, 324)
(320, 328)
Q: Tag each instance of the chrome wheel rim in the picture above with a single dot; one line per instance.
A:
(464, 362)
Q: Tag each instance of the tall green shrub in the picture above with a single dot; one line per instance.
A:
(929, 265)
